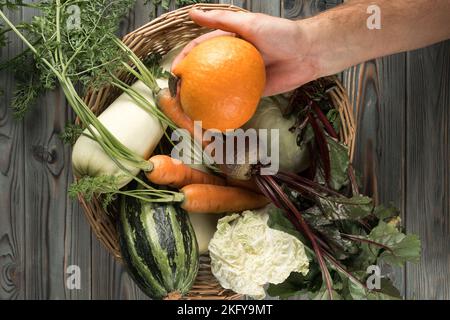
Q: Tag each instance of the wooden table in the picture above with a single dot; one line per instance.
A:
(403, 113)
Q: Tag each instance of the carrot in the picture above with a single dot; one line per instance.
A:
(171, 107)
(204, 198)
(171, 172)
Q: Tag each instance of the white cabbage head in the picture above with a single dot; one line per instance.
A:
(246, 254)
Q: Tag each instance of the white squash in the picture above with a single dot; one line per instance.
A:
(131, 125)
(205, 226)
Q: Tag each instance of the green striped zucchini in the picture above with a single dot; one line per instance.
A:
(158, 246)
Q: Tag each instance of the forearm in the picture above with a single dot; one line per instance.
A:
(340, 37)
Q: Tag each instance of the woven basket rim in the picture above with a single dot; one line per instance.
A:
(155, 35)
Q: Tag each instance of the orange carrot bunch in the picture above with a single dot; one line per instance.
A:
(203, 192)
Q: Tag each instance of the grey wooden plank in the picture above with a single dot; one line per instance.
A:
(299, 9)
(377, 90)
(428, 159)
(272, 8)
(77, 249)
(246, 4)
(12, 181)
(110, 281)
(48, 237)
(51, 225)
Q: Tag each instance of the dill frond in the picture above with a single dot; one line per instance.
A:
(90, 187)
(71, 133)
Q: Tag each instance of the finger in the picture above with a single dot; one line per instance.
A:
(191, 45)
(230, 21)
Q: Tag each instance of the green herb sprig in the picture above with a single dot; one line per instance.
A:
(85, 52)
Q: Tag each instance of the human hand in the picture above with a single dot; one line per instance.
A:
(284, 46)
(296, 52)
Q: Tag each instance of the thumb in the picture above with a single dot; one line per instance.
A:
(230, 21)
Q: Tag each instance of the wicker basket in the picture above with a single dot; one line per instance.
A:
(161, 35)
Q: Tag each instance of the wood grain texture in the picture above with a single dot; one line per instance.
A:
(46, 163)
(428, 163)
(77, 249)
(77, 233)
(246, 4)
(110, 281)
(377, 89)
(299, 9)
(53, 224)
(12, 180)
(272, 8)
